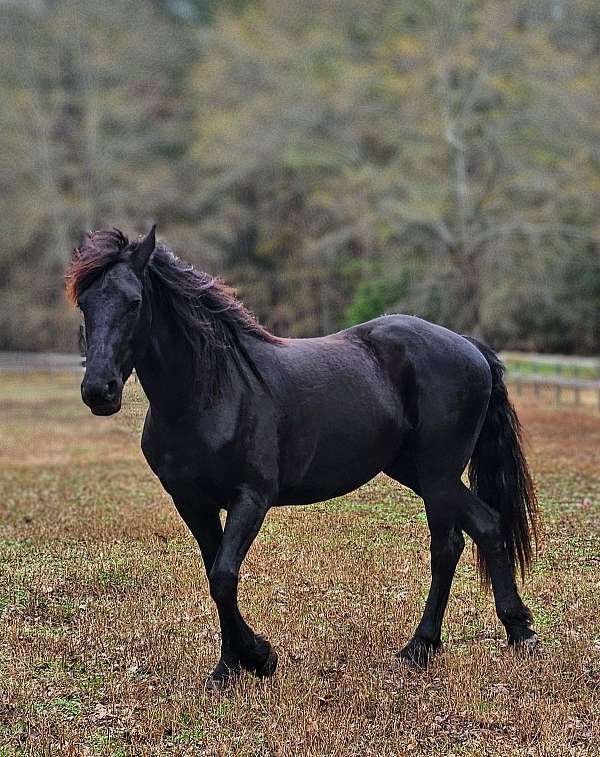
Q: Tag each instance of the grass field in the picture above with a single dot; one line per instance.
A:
(107, 630)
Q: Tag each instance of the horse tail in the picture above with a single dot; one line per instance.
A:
(499, 475)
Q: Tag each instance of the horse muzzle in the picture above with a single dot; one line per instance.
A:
(102, 395)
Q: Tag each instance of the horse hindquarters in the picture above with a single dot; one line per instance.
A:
(456, 423)
(431, 462)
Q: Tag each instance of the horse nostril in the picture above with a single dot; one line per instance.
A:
(100, 391)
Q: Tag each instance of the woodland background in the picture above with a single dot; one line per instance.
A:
(333, 159)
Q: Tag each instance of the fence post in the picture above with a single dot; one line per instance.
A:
(518, 386)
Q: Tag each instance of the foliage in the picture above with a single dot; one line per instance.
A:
(94, 132)
(332, 159)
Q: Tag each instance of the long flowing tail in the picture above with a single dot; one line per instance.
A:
(499, 475)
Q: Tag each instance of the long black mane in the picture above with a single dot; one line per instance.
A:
(205, 310)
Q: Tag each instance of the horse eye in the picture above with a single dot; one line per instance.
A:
(133, 305)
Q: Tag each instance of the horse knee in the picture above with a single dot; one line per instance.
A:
(485, 528)
(223, 584)
(489, 537)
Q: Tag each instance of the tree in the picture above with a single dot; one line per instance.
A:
(94, 134)
(436, 157)
(443, 141)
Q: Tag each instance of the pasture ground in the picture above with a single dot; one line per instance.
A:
(107, 630)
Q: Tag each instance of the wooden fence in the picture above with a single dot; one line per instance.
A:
(561, 379)
(558, 389)
(42, 362)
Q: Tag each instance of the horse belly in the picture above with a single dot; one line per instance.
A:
(340, 463)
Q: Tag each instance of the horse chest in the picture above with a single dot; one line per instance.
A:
(186, 463)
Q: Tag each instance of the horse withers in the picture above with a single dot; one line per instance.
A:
(242, 420)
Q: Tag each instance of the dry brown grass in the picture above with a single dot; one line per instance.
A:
(108, 631)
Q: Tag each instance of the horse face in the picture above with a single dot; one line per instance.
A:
(112, 308)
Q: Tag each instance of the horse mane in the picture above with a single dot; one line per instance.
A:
(98, 250)
(204, 308)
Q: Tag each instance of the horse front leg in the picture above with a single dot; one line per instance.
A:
(223, 553)
(205, 526)
(241, 647)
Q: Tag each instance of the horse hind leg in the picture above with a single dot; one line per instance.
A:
(483, 524)
(452, 508)
(453, 503)
(446, 546)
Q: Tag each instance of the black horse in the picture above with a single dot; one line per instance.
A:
(242, 420)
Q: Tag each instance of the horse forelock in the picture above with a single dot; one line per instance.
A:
(98, 250)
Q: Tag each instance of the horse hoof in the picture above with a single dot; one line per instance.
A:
(216, 685)
(529, 646)
(419, 654)
(221, 679)
(269, 666)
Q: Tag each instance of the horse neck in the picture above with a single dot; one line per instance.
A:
(167, 372)
(165, 368)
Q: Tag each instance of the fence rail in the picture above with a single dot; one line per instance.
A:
(562, 379)
(564, 360)
(564, 390)
(45, 362)
(548, 365)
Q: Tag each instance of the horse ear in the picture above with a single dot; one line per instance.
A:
(143, 252)
(83, 238)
